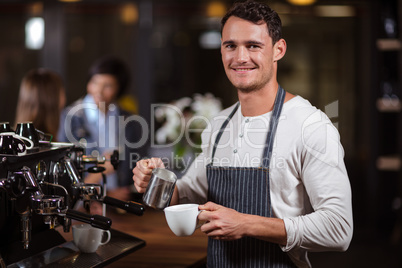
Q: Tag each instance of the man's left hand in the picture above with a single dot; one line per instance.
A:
(220, 222)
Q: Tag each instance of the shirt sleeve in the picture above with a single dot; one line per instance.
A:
(193, 186)
(326, 182)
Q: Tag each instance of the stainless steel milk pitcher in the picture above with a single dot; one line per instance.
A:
(160, 188)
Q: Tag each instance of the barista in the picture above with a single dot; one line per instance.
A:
(271, 178)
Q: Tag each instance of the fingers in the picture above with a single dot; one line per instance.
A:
(209, 206)
(214, 230)
(143, 166)
(155, 163)
(207, 210)
(141, 175)
(143, 171)
(220, 222)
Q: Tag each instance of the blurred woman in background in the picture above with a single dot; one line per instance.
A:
(41, 100)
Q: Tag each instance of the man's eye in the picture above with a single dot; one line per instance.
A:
(230, 46)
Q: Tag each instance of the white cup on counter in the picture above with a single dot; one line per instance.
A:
(182, 219)
(88, 239)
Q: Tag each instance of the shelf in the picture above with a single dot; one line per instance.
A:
(389, 44)
(389, 163)
(389, 105)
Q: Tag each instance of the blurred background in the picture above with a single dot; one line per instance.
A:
(343, 55)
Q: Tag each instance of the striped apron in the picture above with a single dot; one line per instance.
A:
(246, 190)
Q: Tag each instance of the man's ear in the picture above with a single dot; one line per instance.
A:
(279, 49)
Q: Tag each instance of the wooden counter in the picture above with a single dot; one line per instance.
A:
(163, 248)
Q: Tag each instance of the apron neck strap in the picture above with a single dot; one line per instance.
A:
(273, 124)
(218, 137)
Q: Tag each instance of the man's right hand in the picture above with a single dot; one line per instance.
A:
(143, 171)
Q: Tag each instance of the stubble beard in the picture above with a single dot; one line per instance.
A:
(247, 89)
(256, 85)
(250, 88)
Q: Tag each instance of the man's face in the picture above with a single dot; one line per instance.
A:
(247, 54)
(103, 88)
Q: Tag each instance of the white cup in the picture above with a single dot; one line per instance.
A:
(88, 239)
(26, 140)
(182, 219)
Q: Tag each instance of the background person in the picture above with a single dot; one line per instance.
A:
(272, 169)
(41, 100)
(93, 121)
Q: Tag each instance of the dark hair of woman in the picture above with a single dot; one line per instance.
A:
(41, 99)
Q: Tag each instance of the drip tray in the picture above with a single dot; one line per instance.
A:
(68, 255)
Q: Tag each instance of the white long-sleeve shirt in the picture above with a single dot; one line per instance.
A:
(309, 185)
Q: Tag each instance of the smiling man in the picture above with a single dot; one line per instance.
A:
(250, 58)
(271, 178)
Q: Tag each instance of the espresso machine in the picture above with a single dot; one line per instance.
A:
(38, 192)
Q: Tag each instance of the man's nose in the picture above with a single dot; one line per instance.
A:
(98, 89)
(242, 54)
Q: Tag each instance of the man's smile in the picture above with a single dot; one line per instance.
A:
(242, 69)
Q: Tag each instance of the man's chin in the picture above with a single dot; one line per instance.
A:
(246, 89)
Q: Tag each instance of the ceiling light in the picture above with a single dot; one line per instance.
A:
(129, 13)
(335, 11)
(70, 1)
(35, 33)
(216, 9)
(302, 2)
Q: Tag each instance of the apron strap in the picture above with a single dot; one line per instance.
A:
(278, 104)
(218, 137)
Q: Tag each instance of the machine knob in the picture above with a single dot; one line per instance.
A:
(114, 159)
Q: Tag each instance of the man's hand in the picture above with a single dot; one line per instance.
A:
(221, 223)
(143, 171)
(227, 224)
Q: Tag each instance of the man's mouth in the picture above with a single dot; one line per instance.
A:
(243, 69)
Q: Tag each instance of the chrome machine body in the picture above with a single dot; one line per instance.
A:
(38, 192)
